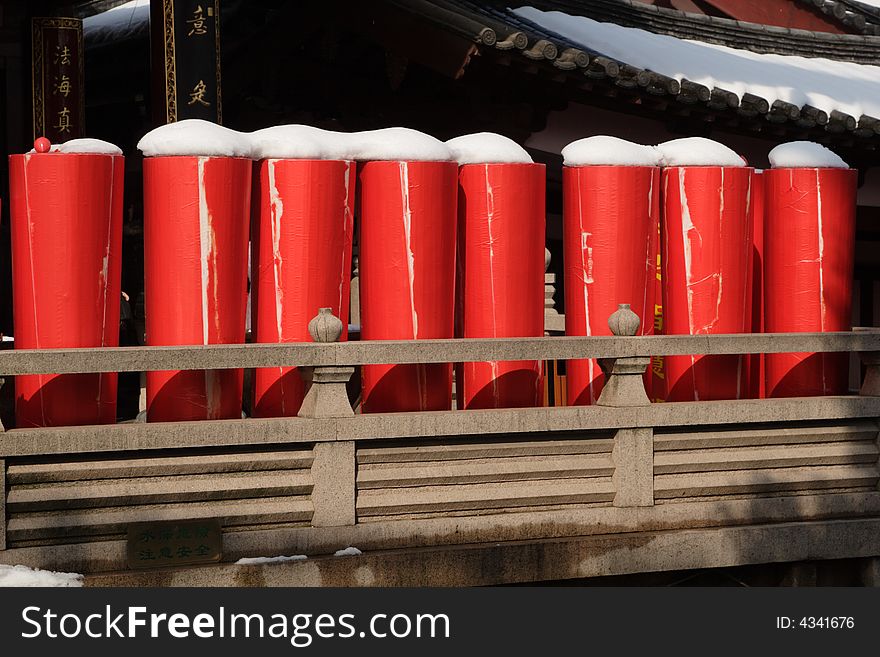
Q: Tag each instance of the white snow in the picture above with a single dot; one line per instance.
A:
(698, 151)
(487, 148)
(403, 144)
(98, 146)
(299, 142)
(306, 142)
(254, 561)
(347, 552)
(605, 150)
(87, 146)
(24, 576)
(195, 137)
(805, 154)
(824, 83)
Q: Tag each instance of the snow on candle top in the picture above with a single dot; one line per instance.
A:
(98, 146)
(805, 155)
(403, 144)
(487, 148)
(299, 142)
(307, 143)
(606, 150)
(698, 151)
(195, 137)
(88, 146)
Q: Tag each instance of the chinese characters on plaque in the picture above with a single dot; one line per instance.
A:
(190, 53)
(57, 78)
(159, 544)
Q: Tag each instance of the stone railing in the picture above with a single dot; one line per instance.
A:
(367, 476)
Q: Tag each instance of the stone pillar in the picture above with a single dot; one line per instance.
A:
(553, 321)
(333, 468)
(871, 384)
(354, 307)
(326, 396)
(633, 451)
(334, 489)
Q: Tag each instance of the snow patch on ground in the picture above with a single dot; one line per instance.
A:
(487, 148)
(805, 154)
(347, 552)
(824, 83)
(254, 561)
(698, 151)
(24, 576)
(195, 137)
(606, 150)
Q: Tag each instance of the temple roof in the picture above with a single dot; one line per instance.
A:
(771, 85)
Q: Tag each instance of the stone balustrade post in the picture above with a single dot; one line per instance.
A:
(633, 451)
(624, 382)
(553, 321)
(326, 396)
(354, 305)
(333, 467)
(871, 384)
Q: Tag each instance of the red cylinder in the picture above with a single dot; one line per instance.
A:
(610, 216)
(196, 212)
(756, 361)
(407, 277)
(809, 243)
(302, 262)
(501, 278)
(66, 256)
(707, 245)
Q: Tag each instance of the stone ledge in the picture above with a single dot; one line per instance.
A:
(544, 560)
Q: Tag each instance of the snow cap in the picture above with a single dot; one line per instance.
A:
(606, 150)
(305, 142)
(403, 144)
(696, 152)
(98, 146)
(805, 155)
(195, 137)
(487, 148)
(299, 142)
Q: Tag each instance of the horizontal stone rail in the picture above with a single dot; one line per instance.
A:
(426, 425)
(138, 359)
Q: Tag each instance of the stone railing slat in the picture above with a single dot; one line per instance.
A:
(347, 354)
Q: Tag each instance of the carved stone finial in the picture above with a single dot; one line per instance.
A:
(325, 326)
(546, 259)
(623, 321)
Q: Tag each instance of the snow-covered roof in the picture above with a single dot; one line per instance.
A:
(847, 87)
(122, 22)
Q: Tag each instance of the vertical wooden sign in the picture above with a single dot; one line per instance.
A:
(186, 60)
(58, 96)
